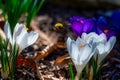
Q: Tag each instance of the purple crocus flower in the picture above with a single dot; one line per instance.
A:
(80, 24)
(102, 26)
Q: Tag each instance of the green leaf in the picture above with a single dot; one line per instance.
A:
(71, 71)
(8, 62)
(32, 10)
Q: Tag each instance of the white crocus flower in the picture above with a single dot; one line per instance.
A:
(103, 46)
(20, 35)
(80, 53)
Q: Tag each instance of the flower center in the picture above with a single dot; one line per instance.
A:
(27, 29)
(81, 46)
(106, 31)
(81, 21)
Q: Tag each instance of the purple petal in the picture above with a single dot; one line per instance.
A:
(88, 25)
(99, 31)
(77, 28)
(110, 33)
(102, 23)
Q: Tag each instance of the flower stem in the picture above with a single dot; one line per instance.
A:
(78, 77)
(91, 74)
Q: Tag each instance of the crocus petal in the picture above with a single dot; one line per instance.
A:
(89, 37)
(95, 37)
(20, 37)
(88, 25)
(102, 26)
(110, 34)
(84, 56)
(101, 57)
(8, 32)
(98, 30)
(79, 41)
(101, 48)
(32, 37)
(84, 36)
(80, 25)
(110, 44)
(77, 28)
(91, 47)
(18, 31)
(102, 23)
(103, 52)
(102, 38)
(28, 39)
(74, 51)
(68, 44)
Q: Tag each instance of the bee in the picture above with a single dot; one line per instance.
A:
(58, 27)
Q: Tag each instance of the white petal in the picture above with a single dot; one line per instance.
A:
(74, 51)
(28, 39)
(86, 52)
(101, 48)
(84, 36)
(93, 37)
(92, 34)
(32, 37)
(107, 48)
(109, 45)
(68, 44)
(79, 41)
(19, 36)
(90, 37)
(101, 57)
(8, 32)
(18, 31)
(102, 38)
(93, 48)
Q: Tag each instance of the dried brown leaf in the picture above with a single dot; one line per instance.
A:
(62, 60)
